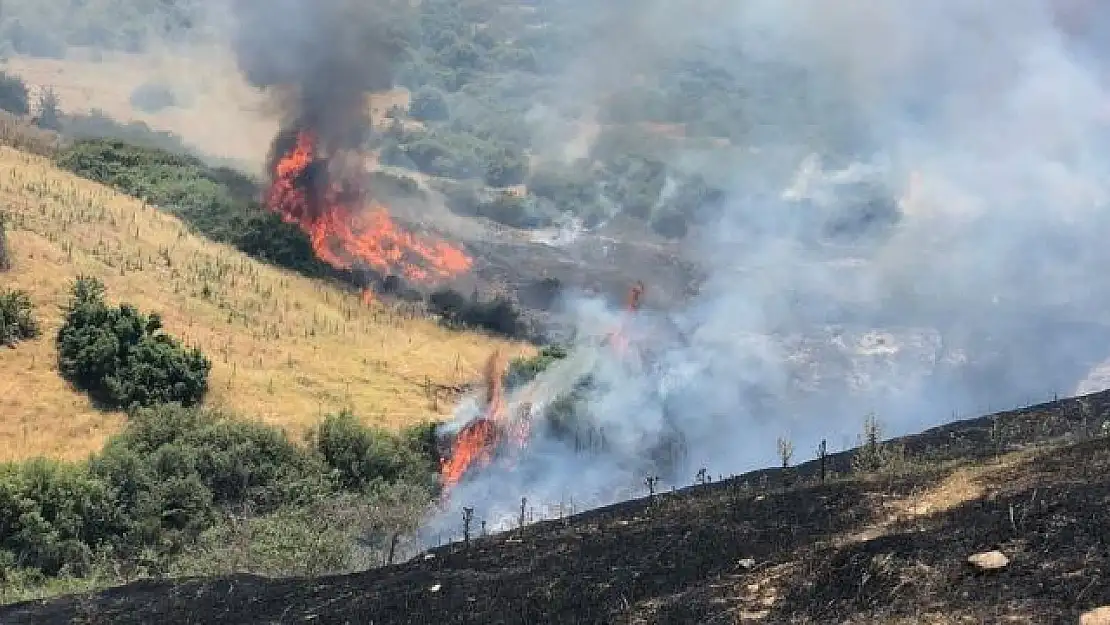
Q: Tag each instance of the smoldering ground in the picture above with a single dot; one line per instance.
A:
(984, 129)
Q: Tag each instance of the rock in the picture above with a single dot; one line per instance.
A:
(747, 563)
(1098, 616)
(989, 561)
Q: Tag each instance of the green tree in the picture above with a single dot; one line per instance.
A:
(13, 94)
(429, 104)
(360, 455)
(49, 115)
(121, 357)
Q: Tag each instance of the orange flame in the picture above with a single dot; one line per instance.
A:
(473, 445)
(346, 230)
(477, 441)
(367, 297)
(618, 339)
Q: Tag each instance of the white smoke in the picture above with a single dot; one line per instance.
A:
(985, 122)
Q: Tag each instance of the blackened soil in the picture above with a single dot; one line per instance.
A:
(764, 547)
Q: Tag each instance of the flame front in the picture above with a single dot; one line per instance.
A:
(618, 338)
(345, 230)
(478, 440)
(499, 428)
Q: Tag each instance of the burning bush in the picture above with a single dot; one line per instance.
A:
(347, 230)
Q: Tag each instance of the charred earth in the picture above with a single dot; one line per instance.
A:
(821, 542)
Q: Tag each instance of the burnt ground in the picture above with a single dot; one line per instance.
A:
(886, 547)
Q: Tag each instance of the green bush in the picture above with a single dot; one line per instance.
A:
(363, 457)
(499, 315)
(121, 357)
(53, 516)
(671, 225)
(524, 370)
(153, 97)
(34, 40)
(13, 94)
(186, 490)
(17, 318)
(49, 115)
(220, 203)
(429, 104)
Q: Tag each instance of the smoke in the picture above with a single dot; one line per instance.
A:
(976, 140)
(319, 59)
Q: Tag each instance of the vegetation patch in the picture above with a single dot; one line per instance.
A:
(17, 318)
(121, 356)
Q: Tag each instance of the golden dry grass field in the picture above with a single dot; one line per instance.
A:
(285, 349)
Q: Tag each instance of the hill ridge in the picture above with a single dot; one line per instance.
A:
(887, 547)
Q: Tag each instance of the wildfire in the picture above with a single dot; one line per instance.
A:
(499, 429)
(346, 230)
(477, 441)
(618, 338)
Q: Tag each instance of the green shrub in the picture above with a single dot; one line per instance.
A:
(671, 225)
(429, 104)
(363, 457)
(500, 316)
(121, 357)
(307, 541)
(220, 203)
(54, 516)
(49, 115)
(17, 318)
(153, 97)
(13, 94)
(513, 210)
(524, 370)
(34, 40)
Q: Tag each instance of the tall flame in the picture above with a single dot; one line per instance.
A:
(477, 441)
(344, 229)
(619, 338)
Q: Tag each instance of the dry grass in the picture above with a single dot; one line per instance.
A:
(218, 112)
(285, 349)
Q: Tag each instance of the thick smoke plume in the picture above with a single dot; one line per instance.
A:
(976, 130)
(319, 58)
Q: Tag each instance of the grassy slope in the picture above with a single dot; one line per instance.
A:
(284, 348)
(878, 548)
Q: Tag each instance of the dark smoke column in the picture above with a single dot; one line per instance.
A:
(318, 59)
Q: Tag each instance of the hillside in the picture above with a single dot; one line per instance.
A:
(883, 547)
(285, 349)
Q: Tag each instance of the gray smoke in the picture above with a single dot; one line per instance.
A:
(320, 59)
(983, 126)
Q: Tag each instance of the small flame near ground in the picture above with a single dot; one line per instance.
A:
(345, 229)
(480, 440)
